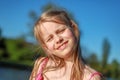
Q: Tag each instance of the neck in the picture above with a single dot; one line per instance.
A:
(69, 58)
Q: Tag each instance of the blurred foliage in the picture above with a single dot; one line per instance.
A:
(111, 70)
(106, 52)
(18, 51)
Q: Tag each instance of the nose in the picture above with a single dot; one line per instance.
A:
(59, 39)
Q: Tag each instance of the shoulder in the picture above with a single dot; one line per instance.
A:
(91, 74)
(37, 66)
(40, 63)
(39, 60)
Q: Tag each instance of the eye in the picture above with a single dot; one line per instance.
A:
(49, 39)
(61, 31)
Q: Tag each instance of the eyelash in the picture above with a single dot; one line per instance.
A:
(49, 39)
(61, 31)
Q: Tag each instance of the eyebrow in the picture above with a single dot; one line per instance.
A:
(60, 29)
(49, 36)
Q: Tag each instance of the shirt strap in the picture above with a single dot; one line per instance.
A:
(43, 63)
(94, 74)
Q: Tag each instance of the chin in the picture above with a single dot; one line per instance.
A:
(64, 53)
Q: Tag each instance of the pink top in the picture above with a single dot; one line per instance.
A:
(40, 77)
(93, 74)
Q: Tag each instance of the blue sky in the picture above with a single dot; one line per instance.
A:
(98, 19)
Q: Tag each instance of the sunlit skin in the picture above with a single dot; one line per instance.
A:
(58, 38)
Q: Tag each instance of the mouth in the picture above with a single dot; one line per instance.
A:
(62, 46)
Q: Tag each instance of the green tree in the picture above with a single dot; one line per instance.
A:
(0, 32)
(3, 49)
(106, 52)
(93, 61)
(115, 69)
(105, 69)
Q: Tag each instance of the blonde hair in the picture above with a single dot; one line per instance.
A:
(61, 17)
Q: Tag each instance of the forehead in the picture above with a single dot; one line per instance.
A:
(50, 27)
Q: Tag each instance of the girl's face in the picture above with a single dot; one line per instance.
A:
(58, 39)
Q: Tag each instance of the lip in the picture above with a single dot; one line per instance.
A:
(63, 44)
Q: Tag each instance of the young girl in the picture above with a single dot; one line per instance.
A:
(59, 37)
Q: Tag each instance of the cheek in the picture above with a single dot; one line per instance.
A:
(68, 34)
(50, 46)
